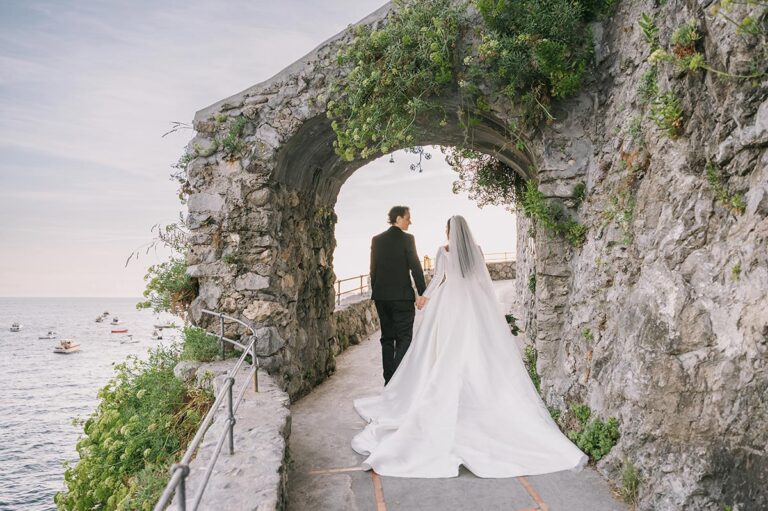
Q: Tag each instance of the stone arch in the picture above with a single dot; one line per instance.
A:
(264, 184)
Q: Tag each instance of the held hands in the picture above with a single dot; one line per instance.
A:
(421, 301)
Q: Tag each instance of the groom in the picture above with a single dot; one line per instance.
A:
(393, 261)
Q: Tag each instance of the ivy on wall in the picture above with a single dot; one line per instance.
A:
(532, 51)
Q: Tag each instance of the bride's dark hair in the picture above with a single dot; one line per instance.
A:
(448, 226)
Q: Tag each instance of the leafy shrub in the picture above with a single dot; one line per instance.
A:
(552, 216)
(396, 71)
(594, 437)
(233, 144)
(146, 416)
(485, 179)
(512, 322)
(579, 192)
(169, 288)
(199, 345)
(630, 483)
(530, 356)
(648, 88)
(731, 201)
(650, 30)
(667, 113)
(534, 49)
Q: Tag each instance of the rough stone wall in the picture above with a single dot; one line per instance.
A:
(680, 338)
(679, 344)
(353, 323)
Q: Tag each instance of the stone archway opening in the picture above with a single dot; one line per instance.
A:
(264, 181)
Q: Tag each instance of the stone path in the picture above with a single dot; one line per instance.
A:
(324, 473)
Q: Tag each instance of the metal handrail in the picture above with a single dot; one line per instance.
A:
(495, 257)
(180, 471)
(360, 288)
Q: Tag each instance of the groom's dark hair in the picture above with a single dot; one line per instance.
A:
(396, 212)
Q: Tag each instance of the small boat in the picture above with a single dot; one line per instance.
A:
(66, 346)
(99, 319)
(120, 331)
(167, 325)
(50, 335)
(115, 321)
(157, 335)
(15, 327)
(105, 313)
(128, 340)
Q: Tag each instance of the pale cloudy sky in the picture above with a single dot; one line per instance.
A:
(87, 88)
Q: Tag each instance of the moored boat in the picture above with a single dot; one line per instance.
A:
(99, 319)
(66, 346)
(16, 327)
(115, 321)
(120, 331)
(50, 335)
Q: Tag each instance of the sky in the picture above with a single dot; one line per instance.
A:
(87, 90)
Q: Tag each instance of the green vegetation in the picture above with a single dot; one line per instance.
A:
(630, 483)
(621, 211)
(594, 437)
(579, 193)
(532, 283)
(736, 271)
(587, 334)
(650, 31)
(232, 258)
(530, 355)
(635, 131)
(534, 51)
(512, 322)
(667, 113)
(169, 288)
(648, 88)
(552, 216)
(144, 420)
(199, 345)
(485, 179)
(396, 72)
(233, 144)
(731, 201)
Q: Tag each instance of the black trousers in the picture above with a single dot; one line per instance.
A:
(396, 318)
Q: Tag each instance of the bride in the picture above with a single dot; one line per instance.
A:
(461, 395)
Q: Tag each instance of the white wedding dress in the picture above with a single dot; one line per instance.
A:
(461, 395)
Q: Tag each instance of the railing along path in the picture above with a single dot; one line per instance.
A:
(180, 471)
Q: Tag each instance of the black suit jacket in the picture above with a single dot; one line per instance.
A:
(393, 260)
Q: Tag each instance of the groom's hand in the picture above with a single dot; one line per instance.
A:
(421, 302)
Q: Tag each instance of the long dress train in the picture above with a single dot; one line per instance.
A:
(461, 396)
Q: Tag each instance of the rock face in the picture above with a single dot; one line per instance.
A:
(671, 284)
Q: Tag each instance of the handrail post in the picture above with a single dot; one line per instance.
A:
(182, 491)
(231, 383)
(221, 335)
(256, 365)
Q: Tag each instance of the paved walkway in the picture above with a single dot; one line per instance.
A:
(325, 474)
